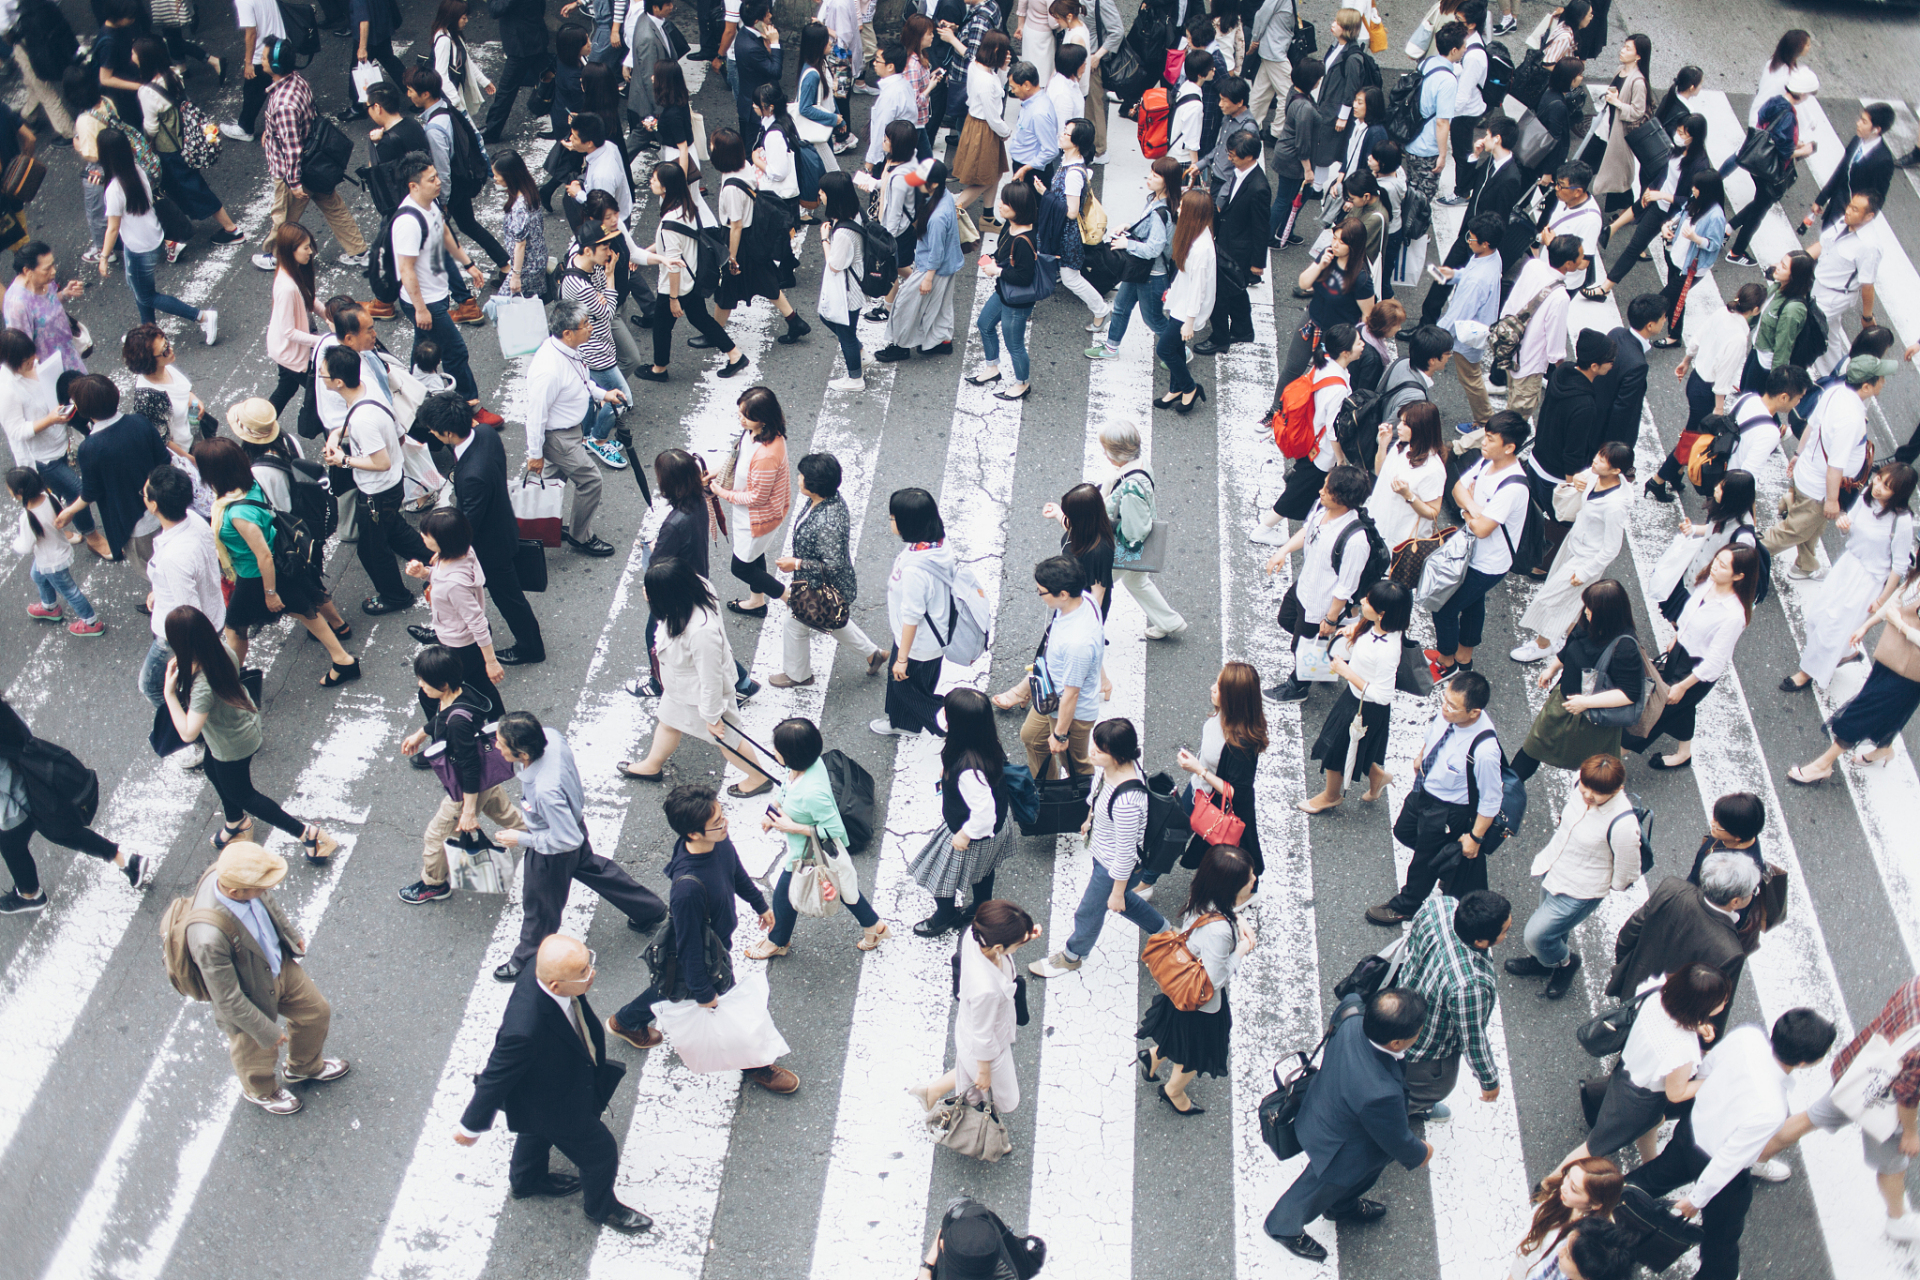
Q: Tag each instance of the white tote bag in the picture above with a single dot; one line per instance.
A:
(365, 76)
(1865, 1092)
(520, 324)
(1312, 662)
(737, 1034)
(1672, 566)
(536, 506)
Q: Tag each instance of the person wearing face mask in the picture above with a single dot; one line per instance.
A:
(1577, 1193)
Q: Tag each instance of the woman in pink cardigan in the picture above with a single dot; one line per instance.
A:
(758, 507)
(454, 595)
(290, 336)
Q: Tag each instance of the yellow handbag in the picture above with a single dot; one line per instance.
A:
(1376, 30)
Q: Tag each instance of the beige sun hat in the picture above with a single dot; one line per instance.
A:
(245, 865)
(254, 420)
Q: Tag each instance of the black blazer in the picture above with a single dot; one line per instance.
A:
(1623, 391)
(1874, 174)
(1672, 929)
(540, 1073)
(1242, 230)
(1497, 191)
(480, 486)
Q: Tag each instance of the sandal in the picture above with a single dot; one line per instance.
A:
(1307, 807)
(229, 833)
(1006, 702)
(1368, 797)
(1594, 293)
(766, 785)
(873, 937)
(338, 675)
(624, 771)
(320, 846)
(765, 949)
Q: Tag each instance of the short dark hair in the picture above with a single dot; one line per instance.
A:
(1233, 89)
(1601, 1249)
(894, 55)
(382, 96)
(440, 667)
(798, 743)
(1592, 347)
(413, 164)
(916, 514)
(136, 349)
(1801, 1036)
(1396, 1013)
(1564, 73)
(448, 528)
(446, 412)
(1692, 993)
(1079, 130)
(1060, 576)
(1246, 146)
(1360, 183)
(689, 808)
(1481, 915)
(1880, 116)
(344, 363)
(1449, 37)
(1473, 689)
(1575, 173)
(1488, 228)
(1564, 251)
(1742, 814)
(1788, 380)
(1430, 343)
(593, 130)
(726, 148)
(424, 81)
(821, 471)
(1511, 427)
(1506, 129)
(1386, 153)
(1069, 59)
(1349, 486)
(1307, 73)
(1644, 310)
(170, 491)
(522, 732)
(28, 255)
(94, 397)
(1118, 738)
(16, 348)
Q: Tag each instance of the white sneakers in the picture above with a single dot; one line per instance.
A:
(232, 129)
(1159, 633)
(847, 384)
(1797, 574)
(1774, 1170)
(210, 324)
(884, 727)
(352, 259)
(264, 261)
(1529, 652)
(1054, 966)
(1268, 535)
(1905, 1228)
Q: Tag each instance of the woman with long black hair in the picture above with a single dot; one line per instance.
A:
(19, 823)
(1729, 517)
(1198, 1042)
(208, 702)
(1232, 740)
(685, 534)
(160, 101)
(1789, 296)
(922, 317)
(816, 116)
(1087, 536)
(465, 85)
(675, 250)
(523, 226)
(973, 839)
(1690, 158)
(1710, 626)
(1189, 300)
(131, 217)
(1367, 672)
(291, 335)
(840, 294)
(1695, 235)
(1562, 735)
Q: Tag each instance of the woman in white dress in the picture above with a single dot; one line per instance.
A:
(696, 678)
(1595, 502)
(1879, 541)
(984, 1027)
(1370, 668)
(1411, 471)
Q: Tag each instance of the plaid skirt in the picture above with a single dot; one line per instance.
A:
(944, 871)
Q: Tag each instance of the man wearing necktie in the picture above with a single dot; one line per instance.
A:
(549, 1072)
(1447, 803)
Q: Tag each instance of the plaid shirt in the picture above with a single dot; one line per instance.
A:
(1457, 981)
(981, 18)
(1898, 1018)
(288, 116)
(920, 80)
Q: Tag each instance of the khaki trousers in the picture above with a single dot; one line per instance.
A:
(287, 207)
(46, 95)
(1097, 109)
(307, 1014)
(1033, 736)
(1270, 84)
(1473, 382)
(492, 804)
(1800, 525)
(1523, 394)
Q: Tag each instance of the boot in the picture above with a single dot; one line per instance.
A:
(797, 328)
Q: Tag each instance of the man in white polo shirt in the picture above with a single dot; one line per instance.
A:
(1844, 268)
(1833, 449)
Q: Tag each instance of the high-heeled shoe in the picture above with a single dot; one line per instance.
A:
(1185, 407)
(1191, 1110)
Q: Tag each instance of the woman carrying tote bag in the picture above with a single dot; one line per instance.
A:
(984, 1028)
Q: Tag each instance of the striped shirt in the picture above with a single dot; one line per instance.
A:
(1119, 828)
(1457, 981)
(595, 293)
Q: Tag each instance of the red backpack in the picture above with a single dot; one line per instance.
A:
(1293, 420)
(1154, 123)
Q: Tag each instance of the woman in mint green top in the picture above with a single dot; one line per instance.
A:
(805, 807)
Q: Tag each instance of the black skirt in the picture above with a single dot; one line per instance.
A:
(1330, 748)
(1878, 712)
(1627, 1112)
(1678, 719)
(248, 605)
(1198, 1042)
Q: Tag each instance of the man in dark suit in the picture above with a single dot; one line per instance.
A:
(523, 34)
(1353, 1121)
(1622, 391)
(480, 487)
(1240, 235)
(652, 38)
(1680, 923)
(1866, 165)
(549, 1072)
(1497, 188)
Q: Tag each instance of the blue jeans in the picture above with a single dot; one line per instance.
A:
(1463, 619)
(153, 673)
(63, 482)
(1148, 295)
(996, 319)
(1172, 350)
(93, 197)
(1092, 913)
(849, 338)
(603, 415)
(61, 581)
(453, 348)
(1549, 925)
(148, 298)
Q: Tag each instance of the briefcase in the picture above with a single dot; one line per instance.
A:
(1064, 806)
(530, 564)
(1663, 1234)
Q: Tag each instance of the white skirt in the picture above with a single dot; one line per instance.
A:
(1006, 1080)
(1556, 606)
(1844, 601)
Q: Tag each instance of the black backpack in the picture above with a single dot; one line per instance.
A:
(383, 269)
(1533, 535)
(1416, 217)
(1379, 554)
(467, 166)
(62, 794)
(710, 250)
(324, 156)
(852, 795)
(1643, 818)
(767, 242)
(297, 554)
(303, 30)
(663, 957)
(879, 257)
(1404, 121)
(1811, 342)
(1499, 75)
(310, 498)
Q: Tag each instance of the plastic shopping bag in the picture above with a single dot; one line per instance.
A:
(536, 507)
(1312, 662)
(737, 1034)
(521, 324)
(365, 76)
(417, 471)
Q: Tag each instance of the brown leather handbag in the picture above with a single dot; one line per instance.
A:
(1178, 971)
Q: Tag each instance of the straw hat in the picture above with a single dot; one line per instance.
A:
(254, 420)
(245, 865)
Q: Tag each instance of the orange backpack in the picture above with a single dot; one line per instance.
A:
(1293, 420)
(1154, 123)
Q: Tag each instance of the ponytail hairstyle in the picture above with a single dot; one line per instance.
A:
(26, 485)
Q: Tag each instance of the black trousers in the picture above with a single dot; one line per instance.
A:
(253, 97)
(233, 782)
(1437, 294)
(1722, 1218)
(519, 73)
(385, 534)
(911, 703)
(1424, 825)
(754, 574)
(697, 315)
(503, 588)
(460, 213)
(591, 1148)
(1311, 1196)
(1232, 318)
(1646, 229)
(547, 878)
(1743, 224)
(379, 50)
(19, 859)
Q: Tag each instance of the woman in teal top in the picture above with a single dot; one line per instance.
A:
(805, 807)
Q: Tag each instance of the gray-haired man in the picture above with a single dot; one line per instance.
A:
(560, 394)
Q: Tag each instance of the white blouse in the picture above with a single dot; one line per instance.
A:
(1710, 626)
(1216, 947)
(987, 99)
(839, 287)
(1874, 537)
(178, 389)
(1375, 659)
(985, 1025)
(1392, 514)
(1657, 1046)
(1190, 297)
(1326, 407)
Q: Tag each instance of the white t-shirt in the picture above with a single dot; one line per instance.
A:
(264, 17)
(1326, 407)
(1837, 437)
(1504, 496)
(408, 242)
(140, 231)
(1398, 521)
(371, 428)
(1759, 433)
(178, 389)
(1657, 1046)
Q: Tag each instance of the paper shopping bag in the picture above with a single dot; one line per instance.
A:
(536, 505)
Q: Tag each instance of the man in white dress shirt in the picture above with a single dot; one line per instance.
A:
(1741, 1104)
(1845, 266)
(560, 394)
(1545, 340)
(1832, 451)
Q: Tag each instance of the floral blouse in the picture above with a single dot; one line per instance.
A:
(524, 225)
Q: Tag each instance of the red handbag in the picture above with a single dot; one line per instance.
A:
(1216, 823)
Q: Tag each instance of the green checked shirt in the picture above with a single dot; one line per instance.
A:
(1457, 981)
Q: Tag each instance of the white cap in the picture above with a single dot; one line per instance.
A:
(1802, 81)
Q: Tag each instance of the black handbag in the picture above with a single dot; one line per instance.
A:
(1415, 675)
(1663, 1235)
(530, 564)
(1759, 155)
(1652, 148)
(1606, 1032)
(165, 739)
(1614, 717)
(606, 1078)
(663, 960)
(1280, 1110)
(1064, 806)
(1169, 823)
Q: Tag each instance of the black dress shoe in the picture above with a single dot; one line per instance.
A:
(1210, 348)
(514, 656)
(1525, 966)
(1363, 1211)
(1298, 292)
(893, 352)
(643, 929)
(419, 760)
(1304, 1246)
(554, 1184)
(621, 1218)
(377, 605)
(1562, 980)
(508, 972)
(426, 635)
(1291, 691)
(701, 342)
(595, 546)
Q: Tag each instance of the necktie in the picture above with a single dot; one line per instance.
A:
(1426, 765)
(580, 1025)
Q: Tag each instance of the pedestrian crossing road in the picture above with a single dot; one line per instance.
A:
(124, 1151)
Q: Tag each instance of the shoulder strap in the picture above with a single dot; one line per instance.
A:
(740, 183)
(1340, 544)
(1131, 784)
(1137, 471)
(1473, 782)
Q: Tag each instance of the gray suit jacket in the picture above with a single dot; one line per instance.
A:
(237, 974)
(648, 48)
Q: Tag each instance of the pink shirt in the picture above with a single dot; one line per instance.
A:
(459, 610)
(290, 339)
